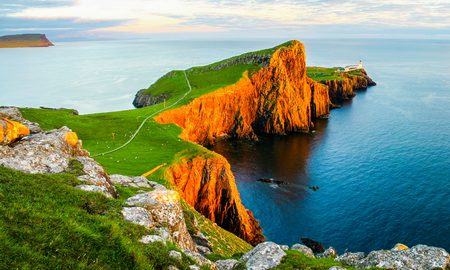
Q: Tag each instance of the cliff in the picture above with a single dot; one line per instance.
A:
(25, 40)
(346, 86)
(208, 185)
(276, 99)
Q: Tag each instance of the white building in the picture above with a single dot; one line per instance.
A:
(352, 67)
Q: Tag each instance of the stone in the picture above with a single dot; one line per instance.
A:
(203, 250)
(171, 267)
(329, 253)
(94, 188)
(303, 249)
(151, 239)
(264, 256)
(200, 239)
(194, 267)
(136, 181)
(199, 259)
(229, 264)
(138, 215)
(284, 247)
(399, 247)
(176, 255)
(316, 247)
(164, 207)
(350, 258)
(337, 268)
(417, 257)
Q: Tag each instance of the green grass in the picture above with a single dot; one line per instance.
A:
(46, 223)
(327, 74)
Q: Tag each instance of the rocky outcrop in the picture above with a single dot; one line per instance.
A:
(11, 131)
(420, 257)
(208, 185)
(277, 99)
(143, 99)
(160, 208)
(345, 88)
(14, 114)
(54, 151)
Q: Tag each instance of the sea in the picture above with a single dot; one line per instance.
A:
(380, 164)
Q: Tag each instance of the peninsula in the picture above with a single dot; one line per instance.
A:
(25, 40)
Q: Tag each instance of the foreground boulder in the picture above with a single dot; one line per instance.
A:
(160, 209)
(14, 114)
(264, 256)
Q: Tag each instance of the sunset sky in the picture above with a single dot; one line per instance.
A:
(72, 19)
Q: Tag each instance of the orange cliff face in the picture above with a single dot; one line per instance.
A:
(277, 99)
(208, 185)
(344, 89)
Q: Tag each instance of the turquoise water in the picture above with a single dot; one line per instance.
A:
(382, 161)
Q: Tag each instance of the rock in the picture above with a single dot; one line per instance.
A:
(194, 267)
(303, 249)
(136, 181)
(329, 253)
(284, 247)
(201, 239)
(199, 259)
(350, 258)
(164, 207)
(417, 257)
(14, 114)
(176, 255)
(151, 239)
(266, 255)
(11, 131)
(337, 268)
(164, 233)
(95, 174)
(138, 215)
(93, 188)
(399, 247)
(312, 244)
(203, 250)
(171, 267)
(229, 264)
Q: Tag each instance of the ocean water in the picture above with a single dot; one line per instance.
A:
(382, 161)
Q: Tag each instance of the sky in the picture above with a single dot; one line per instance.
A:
(103, 19)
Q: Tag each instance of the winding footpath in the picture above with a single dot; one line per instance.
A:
(147, 118)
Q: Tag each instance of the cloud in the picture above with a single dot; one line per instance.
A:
(156, 16)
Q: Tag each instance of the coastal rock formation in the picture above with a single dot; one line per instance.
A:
(277, 99)
(346, 87)
(25, 40)
(142, 100)
(208, 185)
(14, 114)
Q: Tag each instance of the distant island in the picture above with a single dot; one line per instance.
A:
(25, 40)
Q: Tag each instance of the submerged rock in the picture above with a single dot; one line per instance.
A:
(316, 247)
(264, 256)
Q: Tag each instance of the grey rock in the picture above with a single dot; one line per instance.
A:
(418, 257)
(151, 239)
(164, 207)
(176, 255)
(135, 181)
(93, 188)
(264, 256)
(350, 258)
(203, 250)
(200, 239)
(329, 253)
(284, 247)
(303, 249)
(194, 267)
(138, 215)
(199, 259)
(164, 233)
(171, 267)
(229, 264)
(337, 268)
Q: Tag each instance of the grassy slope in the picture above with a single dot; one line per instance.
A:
(326, 74)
